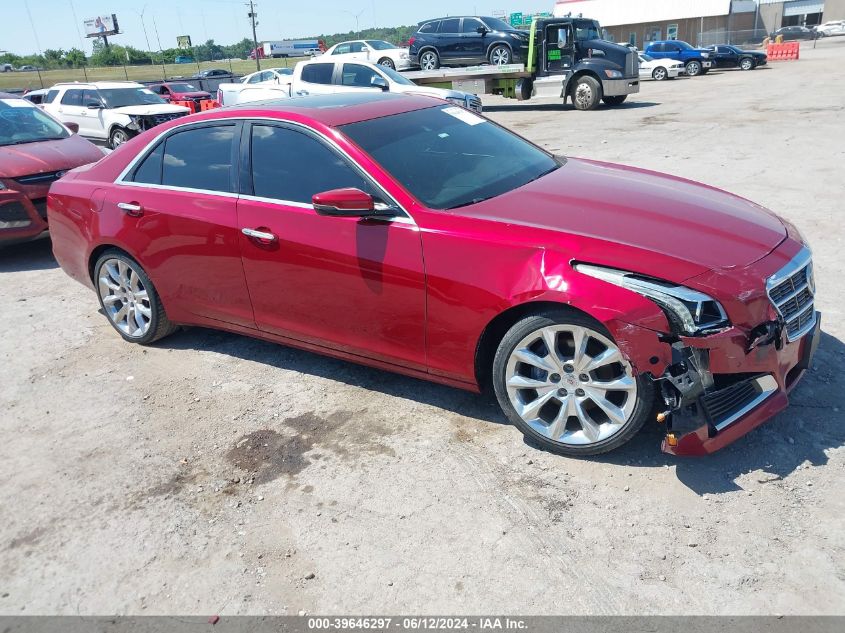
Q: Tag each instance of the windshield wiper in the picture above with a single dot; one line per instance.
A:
(473, 201)
(32, 140)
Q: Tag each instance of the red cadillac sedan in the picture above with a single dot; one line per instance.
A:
(412, 235)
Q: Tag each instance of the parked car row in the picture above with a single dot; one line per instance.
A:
(662, 59)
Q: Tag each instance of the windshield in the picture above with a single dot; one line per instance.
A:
(21, 122)
(380, 45)
(646, 58)
(395, 76)
(448, 157)
(496, 24)
(682, 45)
(587, 30)
(282, 71)
(119, 97)
(182, 88)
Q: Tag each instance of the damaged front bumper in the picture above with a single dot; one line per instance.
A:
(720, 387)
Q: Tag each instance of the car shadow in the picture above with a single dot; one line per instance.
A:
(813, 425)
(33, 255)
(560, 107)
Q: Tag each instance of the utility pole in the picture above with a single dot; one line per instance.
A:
(252, 15)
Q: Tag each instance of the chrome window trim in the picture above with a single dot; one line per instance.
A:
(767, 386)
(120, 180)
(802, 259)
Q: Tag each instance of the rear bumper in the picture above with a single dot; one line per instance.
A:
(21, 219)
(777, 372)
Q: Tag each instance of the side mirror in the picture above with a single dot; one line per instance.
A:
(73, 127)
(482, 30)
(93, 105)
(349, 202)
(380, 82)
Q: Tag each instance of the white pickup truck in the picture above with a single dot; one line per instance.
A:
(324, 76)
(272, 83)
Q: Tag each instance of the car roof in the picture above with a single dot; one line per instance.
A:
(334, 110)
(98, 84)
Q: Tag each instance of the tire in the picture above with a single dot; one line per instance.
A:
(560, 415)
(693, 68)
(387, 62)
(746, 63)
(615, 100)
(660, 74)
(120, 281)
(117, 137)
(429, 60)
(500, 55)
(586, 93)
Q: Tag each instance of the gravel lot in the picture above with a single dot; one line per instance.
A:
(213, 473)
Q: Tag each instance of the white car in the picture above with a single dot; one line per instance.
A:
(270, 76)
(660, 69)
(233, 94)
(327, 76)
(834, 27)
(111, 111)
(375, 51)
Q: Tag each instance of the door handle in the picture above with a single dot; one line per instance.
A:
(259, 235)
(131, 208)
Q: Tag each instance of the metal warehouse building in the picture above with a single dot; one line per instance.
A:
(700, 22)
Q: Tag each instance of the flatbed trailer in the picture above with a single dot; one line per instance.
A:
(486, 79)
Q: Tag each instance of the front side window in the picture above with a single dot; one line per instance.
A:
(358, 76)
(318, 73)
(471, 25)
(91, 97)
(254, 79)
(293, 166)
(72, 98)
(200, 158)
(495, 24)
(448, 157)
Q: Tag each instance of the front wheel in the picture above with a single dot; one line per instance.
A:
(747, 64)
(118, 137)
(386, 61)
(429, 60)
(659, 74)
(615, 100)
(693, 68)
(500, 55)
(562, 380)
(586, 93)
(129, 299)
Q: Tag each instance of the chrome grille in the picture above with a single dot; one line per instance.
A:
(792, 291)
(474, 103)
(632, 65)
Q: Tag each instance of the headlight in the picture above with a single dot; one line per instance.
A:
(689, 312)
(134, 122)
(613, 74)
(705, 55)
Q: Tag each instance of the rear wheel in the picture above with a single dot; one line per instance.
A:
(693, 68)
(429, 60)
(386, 61)
(747, 64)
(615, 100)
(500, 55)
(562, 381)
(129, 299)
(659, 74)
(586, 93)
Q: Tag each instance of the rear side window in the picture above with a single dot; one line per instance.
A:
(293, 166)
(72, 98)
(318, 73)
(149, 171)
(452, 25)
(199, 159)
(429, 27)
(341, 49)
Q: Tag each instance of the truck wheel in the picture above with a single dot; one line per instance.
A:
(659, 74)
(747, 64)
(117, 137)
(615, 100)
(586, 93)
(429, 60)
(693, 68)
(500, 55)
(386, 61)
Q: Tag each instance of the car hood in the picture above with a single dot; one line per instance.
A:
(430, 91)
(156, 108)
(47, 156)
(688, 228)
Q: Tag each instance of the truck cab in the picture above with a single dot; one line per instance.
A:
(569, 59)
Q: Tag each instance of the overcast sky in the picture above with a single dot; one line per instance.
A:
(224, 21)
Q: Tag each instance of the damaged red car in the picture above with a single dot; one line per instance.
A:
(35, 150)
(415, 236)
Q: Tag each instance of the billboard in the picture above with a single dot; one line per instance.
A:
(101, 25)
(183, 41)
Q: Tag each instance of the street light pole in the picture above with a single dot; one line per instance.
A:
(252, 17)
(357, 16)
(144, 27)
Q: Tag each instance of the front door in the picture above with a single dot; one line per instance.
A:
(473, 43)
(351, 284)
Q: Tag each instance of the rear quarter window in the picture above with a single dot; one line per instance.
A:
(429, 27)
(318, 73)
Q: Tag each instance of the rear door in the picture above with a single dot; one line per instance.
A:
(315, 78)
(449, 39)
(178, 212)
(70, 108)
(92, 115)
(344, 283)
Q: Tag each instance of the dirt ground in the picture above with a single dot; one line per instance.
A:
(215, 474)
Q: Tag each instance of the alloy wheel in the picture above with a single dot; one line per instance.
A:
(583, 94)
(571, 384)
(428, 61)
(500, 56)
(659, 73)
(746, 64)
(125, 299)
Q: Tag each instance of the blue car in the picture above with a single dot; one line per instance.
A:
(697, 61)
(465, 41)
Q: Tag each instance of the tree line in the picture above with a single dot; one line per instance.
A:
(117, 55)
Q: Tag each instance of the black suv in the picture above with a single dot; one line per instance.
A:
(467, 40)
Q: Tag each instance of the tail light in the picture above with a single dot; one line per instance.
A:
(220, 96)
(411, 42)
